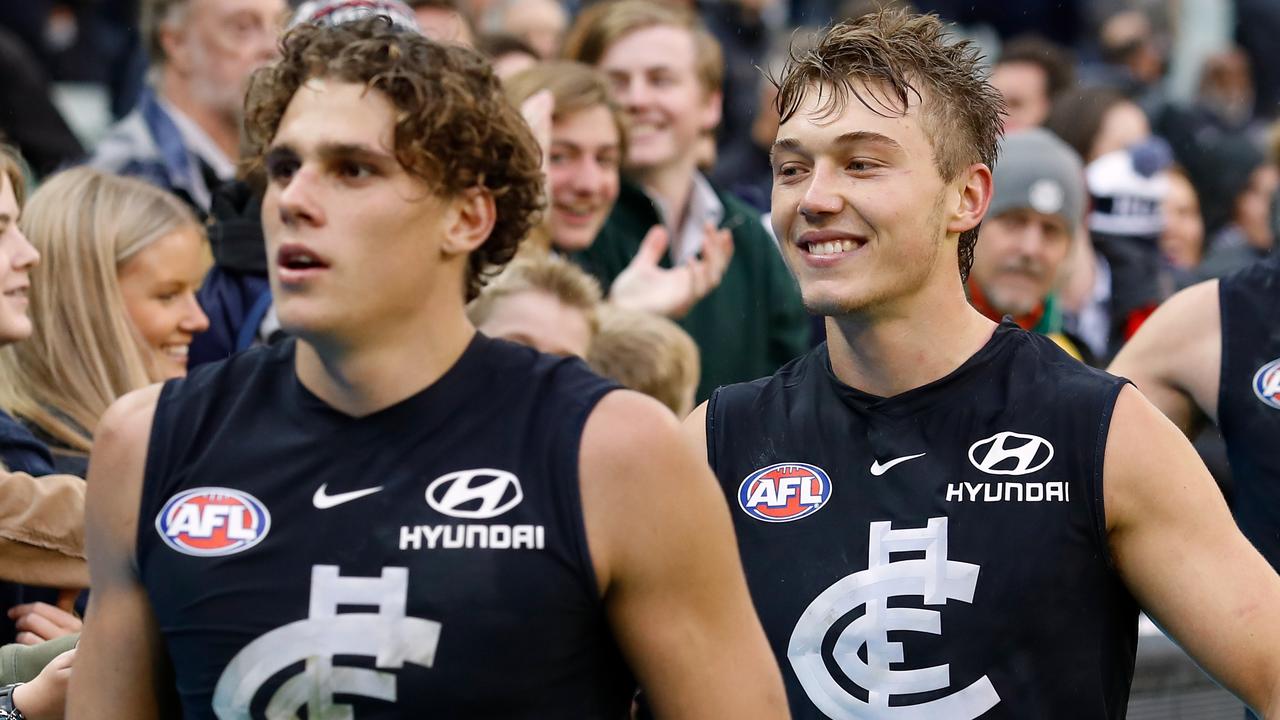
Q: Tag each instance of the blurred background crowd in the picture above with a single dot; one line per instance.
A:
(1140, 157)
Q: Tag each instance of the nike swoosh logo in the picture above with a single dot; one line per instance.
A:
(879, 469)
(324, 502)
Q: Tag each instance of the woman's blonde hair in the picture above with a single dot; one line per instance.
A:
(84, 351)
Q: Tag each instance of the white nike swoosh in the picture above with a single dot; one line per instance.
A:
(879, 469)
(324, 502)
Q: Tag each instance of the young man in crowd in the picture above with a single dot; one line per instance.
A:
(1030, 73)
(393, 515)
(666, 71)
(941, 517)
(1024, 243)
(184, 134)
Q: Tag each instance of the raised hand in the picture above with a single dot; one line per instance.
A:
(646, 286)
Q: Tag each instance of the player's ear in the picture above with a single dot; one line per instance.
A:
(469, 220)
(970, 195)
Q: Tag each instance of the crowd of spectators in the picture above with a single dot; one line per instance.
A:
(131, 240)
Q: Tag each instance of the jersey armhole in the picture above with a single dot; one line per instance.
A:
(582, 548)
(709, 427)
(1225, 330)
(150, 500)
(1097, 479)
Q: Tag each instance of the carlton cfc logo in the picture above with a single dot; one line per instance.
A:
(212, 521)
(1266, 383)
(784, 492)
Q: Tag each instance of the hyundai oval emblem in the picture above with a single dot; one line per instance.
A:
(1011, 453)
(475, 494)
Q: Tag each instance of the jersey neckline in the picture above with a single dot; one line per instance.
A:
(933, 392)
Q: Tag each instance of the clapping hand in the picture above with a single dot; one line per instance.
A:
(646, 286)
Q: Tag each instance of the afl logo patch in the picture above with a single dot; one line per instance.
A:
(784, 492)
(213, 521)
(1266, 383)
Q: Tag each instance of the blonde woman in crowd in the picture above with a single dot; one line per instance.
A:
(112, 304)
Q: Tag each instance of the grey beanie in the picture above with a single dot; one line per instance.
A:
(1037, 170)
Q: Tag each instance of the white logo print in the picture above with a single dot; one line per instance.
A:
(1011, 453)
(934, 578)
(324, 502)
(877, 469)
(387, 635)
(480, 494)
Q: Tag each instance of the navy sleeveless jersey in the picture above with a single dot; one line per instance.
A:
(427, 560)
(1249, 399)
(938, 554)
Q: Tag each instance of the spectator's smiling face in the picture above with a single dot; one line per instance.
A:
(159, 286)
(654, 76)
(583, 172)
(17, 257)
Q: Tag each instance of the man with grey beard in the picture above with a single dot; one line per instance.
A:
(184, 133)
(1027, 236)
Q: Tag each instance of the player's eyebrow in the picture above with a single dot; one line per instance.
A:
(792, 145)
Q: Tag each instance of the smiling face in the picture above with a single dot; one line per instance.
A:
(354, 241)
(159, 286)
(583, 173)
(17, 257)
(653, 72)
(859, 208)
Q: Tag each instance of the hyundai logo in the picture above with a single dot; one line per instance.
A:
(1011, 453)
(475, 494)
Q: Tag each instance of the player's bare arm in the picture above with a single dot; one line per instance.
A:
(1183, 558)
(120, 663)
(668, 568)
(1176, 357)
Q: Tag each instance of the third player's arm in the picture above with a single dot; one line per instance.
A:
(1176, 356)
(120, 666)
(667, 563)
(1183, 558)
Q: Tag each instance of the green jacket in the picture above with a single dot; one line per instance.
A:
(748, 326)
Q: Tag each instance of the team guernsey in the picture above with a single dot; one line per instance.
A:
(427, 560)
(937, 554)
(1249, 399)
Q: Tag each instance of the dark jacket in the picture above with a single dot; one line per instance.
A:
(748, 326)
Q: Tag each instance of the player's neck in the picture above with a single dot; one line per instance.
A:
(360, 378)
(925, 338)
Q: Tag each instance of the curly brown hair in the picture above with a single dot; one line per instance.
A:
(905, 54)
(454, 128)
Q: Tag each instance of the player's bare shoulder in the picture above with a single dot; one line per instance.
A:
(117, 464)
(1178, 352)
(635, 463)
